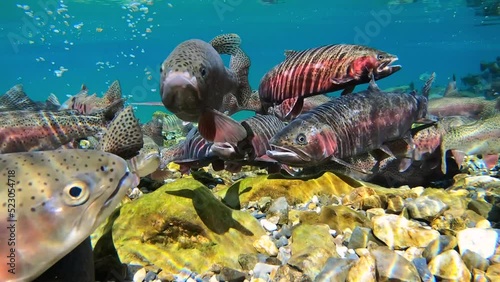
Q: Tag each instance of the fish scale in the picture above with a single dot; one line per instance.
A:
(59, 197)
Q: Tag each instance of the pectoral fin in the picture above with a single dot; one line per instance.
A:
(214, 126)
(350, 166)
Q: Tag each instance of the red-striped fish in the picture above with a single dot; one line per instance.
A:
(348, 126)
(321, 70)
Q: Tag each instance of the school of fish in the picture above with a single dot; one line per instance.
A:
(387, 137)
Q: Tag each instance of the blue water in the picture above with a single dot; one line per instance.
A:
(93, 40)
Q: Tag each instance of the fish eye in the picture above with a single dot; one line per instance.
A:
(104, 168)
(161, 69)
(301, 139)
(380, 57)
(203, 71)
(76, 193)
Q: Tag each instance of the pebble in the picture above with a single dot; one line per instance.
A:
(282, 241)
(265, 245)
(263, 270)
(269, 226)
(482, 241)
(233, 275)
(140, 275)
(425, 207)
(284, 254)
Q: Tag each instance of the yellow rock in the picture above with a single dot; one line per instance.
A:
(181, 225)
(449, 266)
(295, 190)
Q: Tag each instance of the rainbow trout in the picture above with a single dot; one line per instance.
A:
(321, 70)
(51, 201)
(89, 104)
(348, 126)
(479, 138)
(195, 82)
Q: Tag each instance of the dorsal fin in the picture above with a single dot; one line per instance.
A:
(52, 99)
(451, 88)
(289, 53)
(84, 88)
(427, 86)
(372, 86)
(114, 91)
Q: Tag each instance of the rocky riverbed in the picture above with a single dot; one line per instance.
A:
(327, 228)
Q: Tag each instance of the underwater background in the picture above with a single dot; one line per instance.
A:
(95, 42)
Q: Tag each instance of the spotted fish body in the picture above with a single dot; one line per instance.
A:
(476, 107)
(479, 138)
(194, 83)
(321, 70)
(347, 126)
(22, 131)
(61, 197)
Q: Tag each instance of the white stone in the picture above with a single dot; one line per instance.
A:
(269, 226)
(479, 240)
(140, 275)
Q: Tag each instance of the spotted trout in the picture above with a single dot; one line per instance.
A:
(479, 138)
(348, 126)
(194, 83)
(321, 70)
(51, 201)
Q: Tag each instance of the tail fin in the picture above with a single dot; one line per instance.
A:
(427, 86)
(227, 44)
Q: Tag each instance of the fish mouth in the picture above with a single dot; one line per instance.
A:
(289, 156)
(386, 67)
(128, 179)
(180, 93)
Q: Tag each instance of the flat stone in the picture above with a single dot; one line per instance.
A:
(248, 261)
(393, 267)
(269, 226)
(481, 241)
(439, 245)
(360, 237)
(311, 246)
(398, 232)
(449, 266)
(480, 207)
(474, 260)
(279, 208)
(229, 274)
(395, 204)
(425, 207)
(423, 270)
(336, 269)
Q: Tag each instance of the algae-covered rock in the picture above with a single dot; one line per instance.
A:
(294, 190)
(181, 225)
(312, 246)
(399, 233)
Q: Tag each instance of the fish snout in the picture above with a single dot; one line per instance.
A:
(386, 67)
(179, 92)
